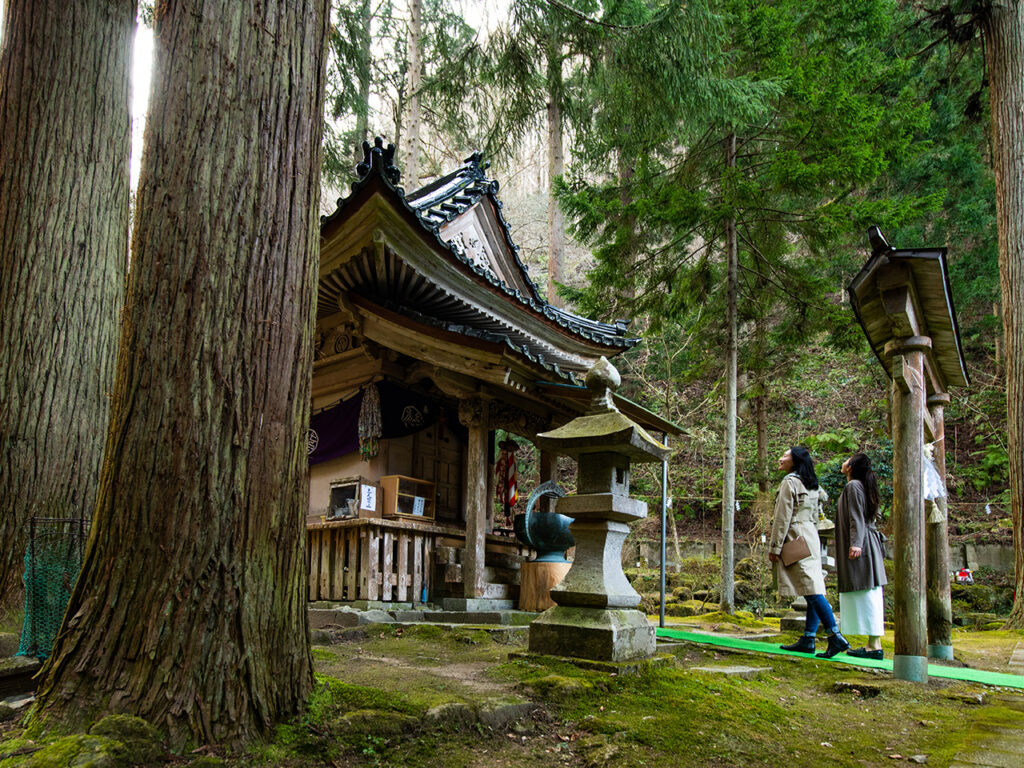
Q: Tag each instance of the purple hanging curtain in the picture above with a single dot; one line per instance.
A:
(334, 432)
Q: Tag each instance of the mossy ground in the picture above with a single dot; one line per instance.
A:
(793, 714)
(374, 694)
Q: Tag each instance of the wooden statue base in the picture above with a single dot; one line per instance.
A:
(535, 583)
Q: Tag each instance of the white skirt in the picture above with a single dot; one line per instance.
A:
(860, 612)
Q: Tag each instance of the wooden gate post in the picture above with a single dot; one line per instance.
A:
(910, 661)
(940, 610)
(903, 301)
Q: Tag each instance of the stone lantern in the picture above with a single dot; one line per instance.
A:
(595, 615)
(826, 534)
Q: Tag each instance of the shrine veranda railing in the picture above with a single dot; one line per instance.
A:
(385, 560)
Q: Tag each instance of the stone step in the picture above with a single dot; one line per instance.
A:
(495, 575)
(499, 617)
(16, 673)
(734, 670)
(493, 591)
(1017, 658)
(466, 617)
(476, 604)
(370, 605)
(503, 560)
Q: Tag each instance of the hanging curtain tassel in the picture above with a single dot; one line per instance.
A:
(369, 423)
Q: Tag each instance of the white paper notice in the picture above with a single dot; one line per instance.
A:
(418, 502)
(368, 497)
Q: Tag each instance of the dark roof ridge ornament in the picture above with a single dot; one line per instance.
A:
(476, 163)
(477, 168)
(379, 159)
(878, 242)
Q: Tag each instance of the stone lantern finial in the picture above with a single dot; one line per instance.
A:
(602, 380)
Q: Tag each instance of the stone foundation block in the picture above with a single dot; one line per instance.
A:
(593, 633)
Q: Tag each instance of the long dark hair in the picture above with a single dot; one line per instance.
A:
(803, 466)
(860, 469)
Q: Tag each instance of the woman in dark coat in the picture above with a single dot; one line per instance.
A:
(860, 557)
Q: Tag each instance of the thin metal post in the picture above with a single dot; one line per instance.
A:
(664, 519)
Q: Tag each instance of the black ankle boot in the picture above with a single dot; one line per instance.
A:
(804, 645)
(836, 644)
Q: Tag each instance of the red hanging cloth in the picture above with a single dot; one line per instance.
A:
(506, 478)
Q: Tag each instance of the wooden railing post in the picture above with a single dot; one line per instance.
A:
(473, 415)
(940, 611)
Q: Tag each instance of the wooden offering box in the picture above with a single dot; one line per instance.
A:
(407, 497)
(353, 497)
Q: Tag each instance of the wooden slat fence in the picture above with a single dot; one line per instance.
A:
(388, 560)
(371, 560)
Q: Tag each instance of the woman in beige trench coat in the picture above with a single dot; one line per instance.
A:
(797, 508)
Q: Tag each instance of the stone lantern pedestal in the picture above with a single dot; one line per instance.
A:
(595, 615)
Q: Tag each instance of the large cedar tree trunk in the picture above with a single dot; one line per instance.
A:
(64, 153)
(1003, 29)
(190, 610)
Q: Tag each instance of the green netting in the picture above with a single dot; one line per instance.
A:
(53, 559)
(934, 670)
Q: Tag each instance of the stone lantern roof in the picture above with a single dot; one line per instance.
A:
(603, 429)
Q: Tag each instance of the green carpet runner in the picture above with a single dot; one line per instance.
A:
(934, 670)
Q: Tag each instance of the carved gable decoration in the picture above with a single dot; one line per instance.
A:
(476, 236)
(464, 211)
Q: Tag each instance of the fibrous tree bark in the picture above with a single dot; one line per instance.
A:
(1003, 30)
(190, 608)
(365, 43)
(415, 79)
(64, 157)
(556, 167)
(727, 601)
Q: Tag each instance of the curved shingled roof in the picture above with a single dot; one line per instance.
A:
(447, 198)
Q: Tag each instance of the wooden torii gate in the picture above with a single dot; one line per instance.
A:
(903, 302)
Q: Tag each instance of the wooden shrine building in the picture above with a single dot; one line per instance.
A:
(903, 301)
(431, 335)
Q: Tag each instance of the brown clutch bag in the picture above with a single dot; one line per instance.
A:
(793, 551)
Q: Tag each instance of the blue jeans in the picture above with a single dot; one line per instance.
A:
(819, 612)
